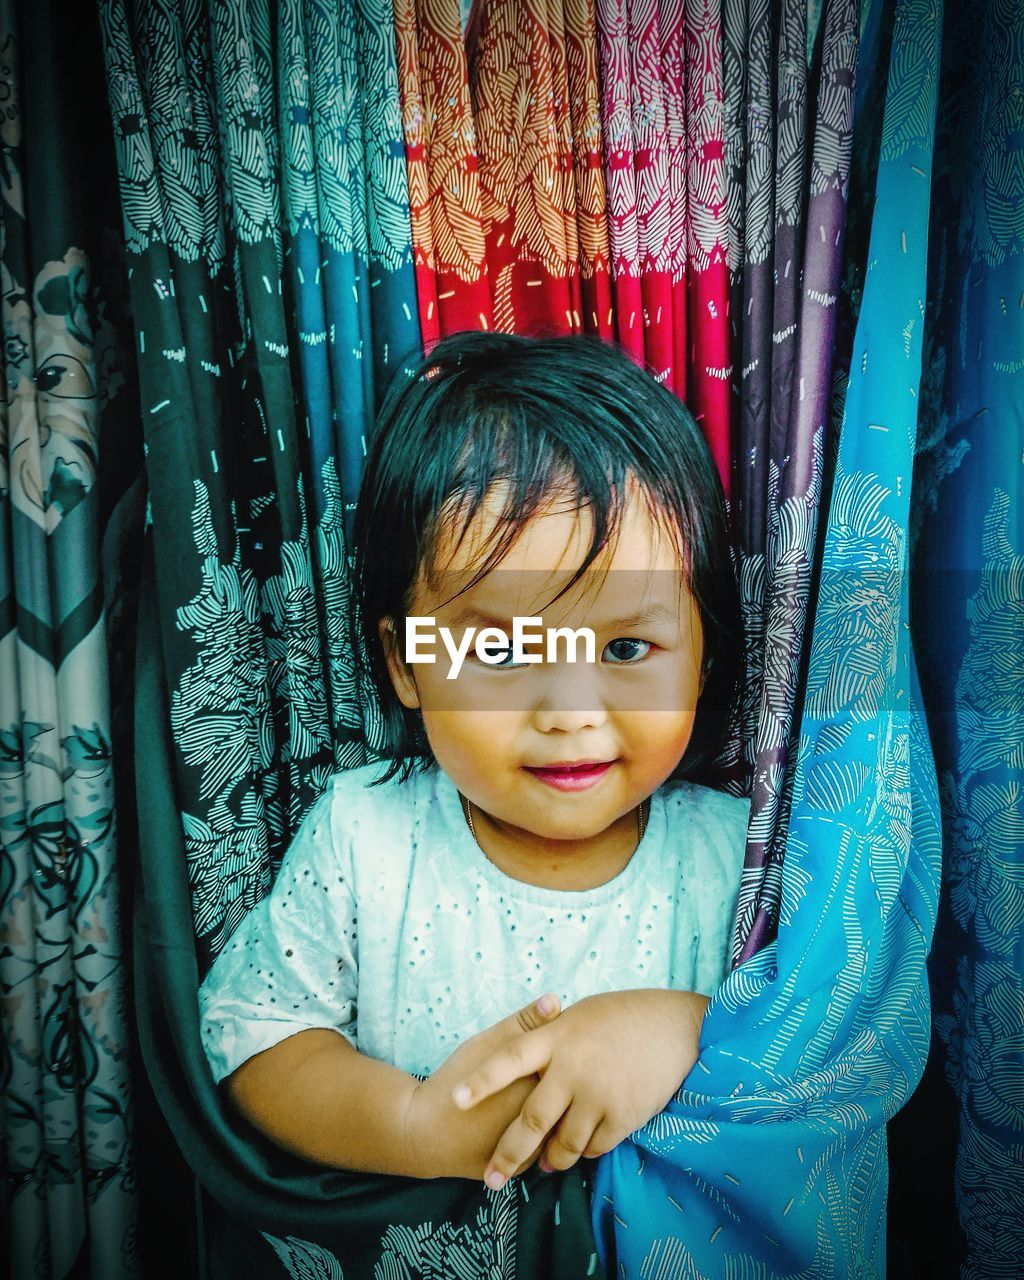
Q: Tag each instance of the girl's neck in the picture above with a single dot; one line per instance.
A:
(558, 864)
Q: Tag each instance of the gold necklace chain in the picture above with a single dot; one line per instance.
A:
(641, 818)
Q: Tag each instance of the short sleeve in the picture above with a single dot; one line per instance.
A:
(291, 964)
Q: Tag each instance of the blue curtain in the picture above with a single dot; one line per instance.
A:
(771, 1161)
(964, 1133)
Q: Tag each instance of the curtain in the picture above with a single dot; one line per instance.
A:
(958, 1176)
(566, 175)
(791, 168)
(532, 72)
(452, 281)
(757, 201)
(67, 468)
(662, 111)
(771, 1160)
(267, 224)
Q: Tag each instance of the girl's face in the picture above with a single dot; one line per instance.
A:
(493, 729)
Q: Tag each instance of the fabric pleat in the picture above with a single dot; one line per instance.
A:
(794, 220)
(663, 117)
(964, 1207)
(69, 498)
(448, 232)
(772, 1157)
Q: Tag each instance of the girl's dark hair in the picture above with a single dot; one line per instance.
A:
(533, 413)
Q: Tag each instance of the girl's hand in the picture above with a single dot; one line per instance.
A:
(607, 1065)
(455, 1143)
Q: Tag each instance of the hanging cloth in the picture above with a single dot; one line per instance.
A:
(772, 1157)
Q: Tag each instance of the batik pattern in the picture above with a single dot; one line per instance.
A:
(662, 111)
(64, 1045)
(448, 231)
(794, 224)
(968, 623)
(823, 1032)
(274, 297)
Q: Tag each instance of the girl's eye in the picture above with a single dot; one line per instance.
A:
(493, 651)
(623, 653)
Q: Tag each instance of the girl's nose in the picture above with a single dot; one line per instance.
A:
(571, 701)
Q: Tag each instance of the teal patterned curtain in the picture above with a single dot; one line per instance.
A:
(67, 467)
(262, 177)
(262, 181)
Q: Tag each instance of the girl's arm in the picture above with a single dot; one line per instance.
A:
(315, 1095)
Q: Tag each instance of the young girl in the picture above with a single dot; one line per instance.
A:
(538, 842)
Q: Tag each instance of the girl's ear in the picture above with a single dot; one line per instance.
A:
(398, 669)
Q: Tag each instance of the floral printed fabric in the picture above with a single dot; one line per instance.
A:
(968, 1207)
(504, 153)
(265, 199)
(772, 1158)
(68, 1163)
(661, 110)
(533, 81)
(566, 175)
(789, 220)
(448, 236)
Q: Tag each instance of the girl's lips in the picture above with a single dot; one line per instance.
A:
(579, 779)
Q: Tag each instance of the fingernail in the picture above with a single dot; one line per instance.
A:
(546, 1004)
(545, 1167)
(461, 1095)
(494, 1179)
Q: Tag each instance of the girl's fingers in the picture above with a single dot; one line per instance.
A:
(524, 1137)
(604, 1138)
(538, 1012)
(574, 1136)
(526, 1055)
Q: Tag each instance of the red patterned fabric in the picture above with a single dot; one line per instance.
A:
(707, 281)
(518, 89)
(533, 81)
(452, 284)
(504, 155)
(636, 162)
(566, 175)
(588, 165)
(662, 110)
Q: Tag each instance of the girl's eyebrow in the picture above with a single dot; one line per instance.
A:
(655, 613)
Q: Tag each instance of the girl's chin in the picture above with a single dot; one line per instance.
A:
(569, 818)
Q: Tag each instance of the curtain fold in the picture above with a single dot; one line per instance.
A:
(263, 1212)
(968, 624)
(662, 112)
(566, 174)
(65, 395)
(273, 283)
(448, 231)
(822, 1034)
(787, 290)
(533, 86)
